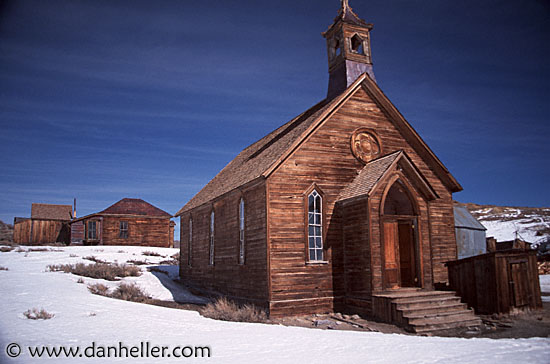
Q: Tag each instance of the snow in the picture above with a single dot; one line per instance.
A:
(82, 318)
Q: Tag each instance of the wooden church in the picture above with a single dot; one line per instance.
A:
(340, 209)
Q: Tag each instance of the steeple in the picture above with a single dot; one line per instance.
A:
(349, 52)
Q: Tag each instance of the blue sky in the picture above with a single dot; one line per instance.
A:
(106, 99)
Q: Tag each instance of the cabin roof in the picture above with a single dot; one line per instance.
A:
(264, 156)
(46, 211)
(465, 220)
(134, 206)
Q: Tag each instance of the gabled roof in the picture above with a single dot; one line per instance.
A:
(374, 171)
(368, 177)
(262, 158)
(51, 212)
(134, 206)
(464, 219)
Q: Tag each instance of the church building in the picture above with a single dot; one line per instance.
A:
(339, 208)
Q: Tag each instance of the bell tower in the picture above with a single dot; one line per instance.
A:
(349, 52)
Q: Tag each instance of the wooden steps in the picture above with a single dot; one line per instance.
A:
(425, 311)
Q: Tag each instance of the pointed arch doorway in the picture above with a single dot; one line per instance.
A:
(401, 252)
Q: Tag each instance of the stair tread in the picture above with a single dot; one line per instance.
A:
(419, 321)
(427, 313)
(445, 326)
(412, 300)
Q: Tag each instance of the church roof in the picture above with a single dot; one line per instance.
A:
(347, 15)
(263, 157)
(369, 176)
(375, 170)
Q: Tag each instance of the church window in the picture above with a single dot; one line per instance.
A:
(315, 227)
(241, 231)
(211, 255)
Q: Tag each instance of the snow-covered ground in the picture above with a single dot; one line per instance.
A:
(82, 318)
(507, 223)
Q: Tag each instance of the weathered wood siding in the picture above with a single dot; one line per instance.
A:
(142, 231)
(497, 282)
(242, 282)
(35, 231)
(325, 159)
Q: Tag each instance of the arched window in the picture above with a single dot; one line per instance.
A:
(211, 256)
(190, 242)
(241, 231)
(315, 226)
(398, 201)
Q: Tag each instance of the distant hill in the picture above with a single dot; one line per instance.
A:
(6, 232)
(503, 222)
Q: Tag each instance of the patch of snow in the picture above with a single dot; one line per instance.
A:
(82, 318)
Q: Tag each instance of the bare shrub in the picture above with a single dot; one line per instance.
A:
(5, 249)
(137, 262)
(129, 292)
(109, 272)
(94, 259)
(226, 310)
(20, 250)
(99, 289)
(121, 251)
(41, 250)
(80, 280)
(35, 314)
(151, 253)
(3, 268)
(73, 256)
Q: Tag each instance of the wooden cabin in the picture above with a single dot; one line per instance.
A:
(130, 221)
(341, 203)
(48, 224)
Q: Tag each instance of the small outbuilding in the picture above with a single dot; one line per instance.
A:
(48, 224)
(470, 234)
(130, 221)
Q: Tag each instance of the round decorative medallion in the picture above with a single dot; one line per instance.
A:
(365, 145)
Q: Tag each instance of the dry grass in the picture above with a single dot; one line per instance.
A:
(3, 268)
(129, 292)
(125, 291)
(36, 314)
(226, 310)
(94, 259)
(99, 289)
(152, 254)
(80, 280)
(109, 272)
(5, 249)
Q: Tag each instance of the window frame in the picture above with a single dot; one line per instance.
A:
(121, 230)
(211, 238)
(322, 223)
(88, 230)
(242, 227)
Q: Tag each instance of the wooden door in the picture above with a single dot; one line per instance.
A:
(518, 283)
(407, 261)
(391, 254)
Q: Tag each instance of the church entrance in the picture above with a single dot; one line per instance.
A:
(401, 263)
